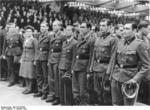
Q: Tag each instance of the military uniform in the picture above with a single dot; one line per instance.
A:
(144, 91)
(12, 49)
(56, 43)
(41, 66)
(64, 70)
(130, 62)
(81, 62)
(104, 48)
(2, 67)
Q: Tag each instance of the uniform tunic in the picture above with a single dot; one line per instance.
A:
(131, 55)
(131, 61)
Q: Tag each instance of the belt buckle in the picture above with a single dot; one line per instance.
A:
(77, 57)
(52, 50)
(98, 60)
(10, 46)
(121, 66)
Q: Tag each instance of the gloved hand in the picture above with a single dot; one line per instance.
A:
(131, 81)
(3, 57)
(72, 72)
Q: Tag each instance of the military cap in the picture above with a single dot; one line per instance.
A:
(130, 90)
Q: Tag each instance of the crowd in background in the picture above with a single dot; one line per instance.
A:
(26, 13)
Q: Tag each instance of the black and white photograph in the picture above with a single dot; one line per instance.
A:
(74, 53)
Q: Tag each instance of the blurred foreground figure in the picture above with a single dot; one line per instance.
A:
(12, 50)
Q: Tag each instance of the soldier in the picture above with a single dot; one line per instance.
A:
(12, 50)
(65, 67)
(82, 54)
(2, 74)
(56, 42)
(104, 48)
(144, 91)
(119, 31)
(28, 60)
(124, 68)
(41, 63)
(1, 47)
(76, 30)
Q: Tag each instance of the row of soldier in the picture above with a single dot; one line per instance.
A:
(83, 70)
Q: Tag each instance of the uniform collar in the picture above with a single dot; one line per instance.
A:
(104, 35)
(68, 40)
(45, 33)
(86, 36)
(58, 33)
(129, 40)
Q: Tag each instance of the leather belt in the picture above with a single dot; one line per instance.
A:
(103, 60)
(43, 49)
(84, 57)
(55, 50)
(127, 66)
(13, 45)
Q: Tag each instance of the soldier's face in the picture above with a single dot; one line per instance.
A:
(83, 28)
(43, 27)
(28, 33)
(12, 28)
(68, 31)
(104, 27)
(120, 31)
(128, 32)
(144, 31)
(56, 27)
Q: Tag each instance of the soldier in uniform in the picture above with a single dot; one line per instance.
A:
(65, 67)
(119, 31)
(76, 30)
(56, 42)
(12, 50)
(104, 48)
(41, 63)
(144, 92)
(80, 65)
(2, 62)
(124, 68)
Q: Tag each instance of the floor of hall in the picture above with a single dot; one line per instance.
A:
(13, 96)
